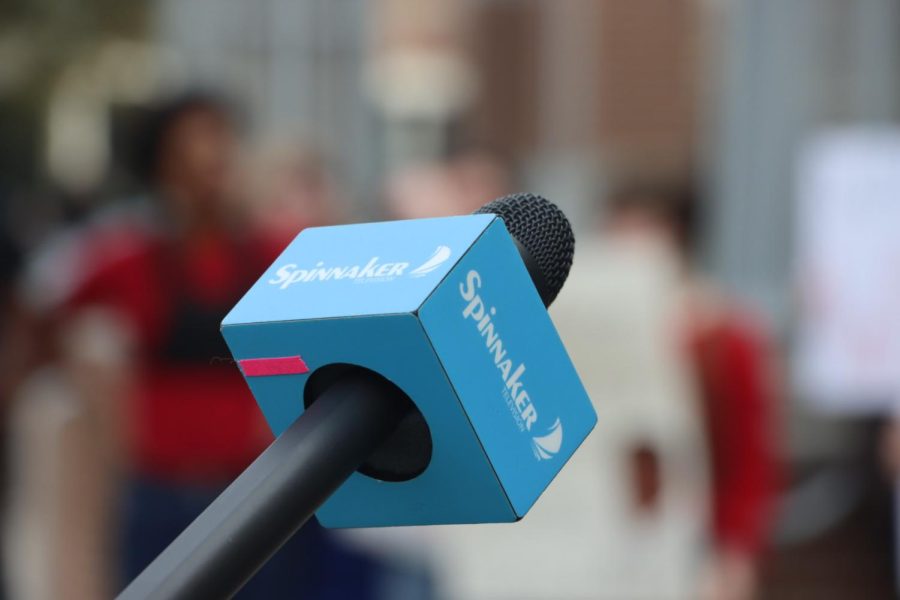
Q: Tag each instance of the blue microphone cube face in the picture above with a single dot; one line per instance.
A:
(445, 309)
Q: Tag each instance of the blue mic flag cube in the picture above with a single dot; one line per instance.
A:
(445, 309)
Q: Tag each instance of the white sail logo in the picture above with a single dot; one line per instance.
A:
(547, 446)
(440, 256)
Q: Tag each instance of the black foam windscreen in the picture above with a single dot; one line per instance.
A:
(544, 232)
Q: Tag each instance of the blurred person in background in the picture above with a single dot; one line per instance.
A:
(625, 518)
(733, 367)
(144, 385)
(672, 495)
(458, 185)
(10, 263)
(289, 187)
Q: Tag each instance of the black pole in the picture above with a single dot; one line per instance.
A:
(225, 546)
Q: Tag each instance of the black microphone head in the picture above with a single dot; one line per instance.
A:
(544, 237)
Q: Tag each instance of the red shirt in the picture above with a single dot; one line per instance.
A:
(192, 416)
(739, 406)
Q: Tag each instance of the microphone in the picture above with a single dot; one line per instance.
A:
(543, 236)
(408, 384)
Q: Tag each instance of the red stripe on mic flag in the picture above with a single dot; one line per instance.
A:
(265, 367)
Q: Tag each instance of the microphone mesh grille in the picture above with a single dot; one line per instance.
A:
(542, 229)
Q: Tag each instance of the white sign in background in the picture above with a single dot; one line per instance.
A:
(848, 270)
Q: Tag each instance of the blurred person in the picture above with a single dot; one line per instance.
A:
(145, 385)
(733, 365)
(671, 495)
(10, 263)
(482, 174)
(458, 185)
(625, 518)
(288, 186)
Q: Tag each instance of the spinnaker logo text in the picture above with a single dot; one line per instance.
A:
(291, 274)
(370, 272)
(515, 392)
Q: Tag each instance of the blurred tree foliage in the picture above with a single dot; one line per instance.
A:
(38, 39)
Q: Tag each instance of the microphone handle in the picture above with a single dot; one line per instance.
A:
(267, 503)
